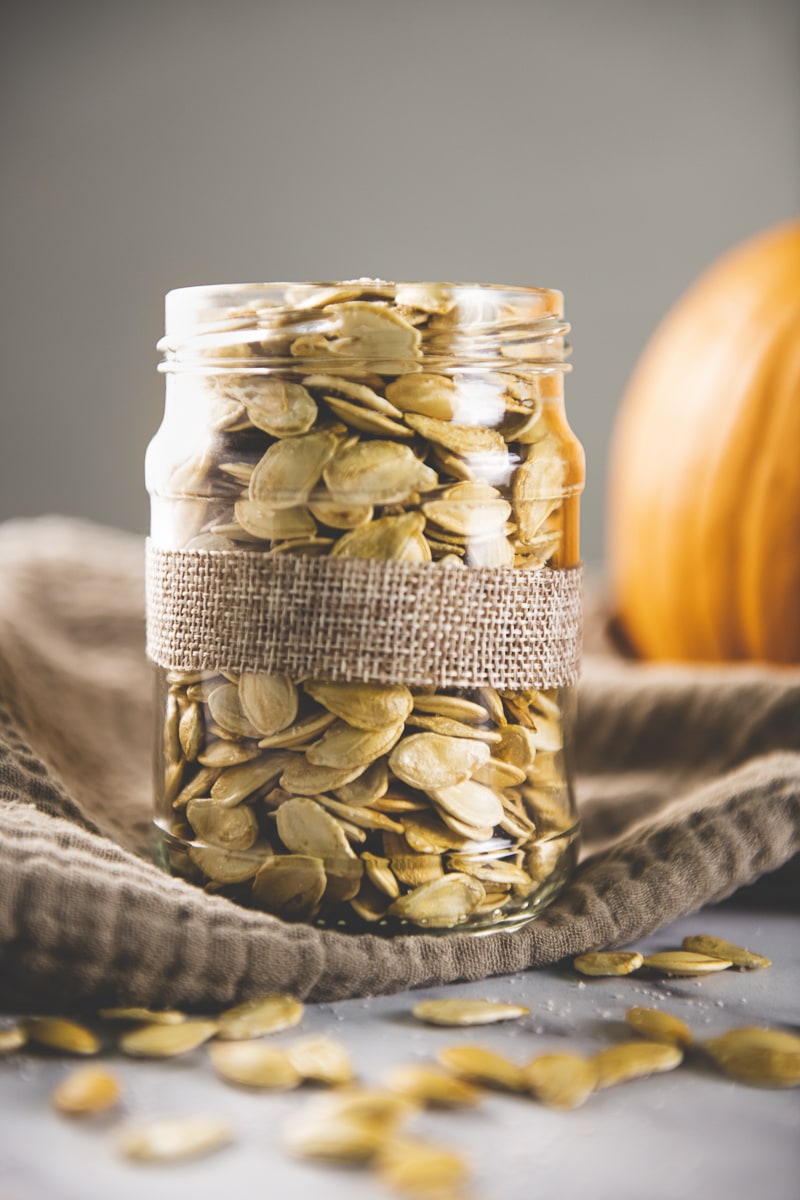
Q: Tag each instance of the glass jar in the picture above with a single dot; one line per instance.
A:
(364, 602)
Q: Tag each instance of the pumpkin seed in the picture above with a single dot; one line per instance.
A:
(415, 869)
(321, 1059)
(418, 1169)
(385, 538)
(279, 408)
(364, 706)
(454, 707)
(469, 802)
(460, 439)
(167, 1041)
(370, 904)
(608, 962)
(379, 874)
(339, 388)
(561, 1080)
(306, 828)
(239, 782)
(340, 516)
(365, 788)
(343, 746)
(377, 472)
(348, 1125)
(431, 760)
(499, 775)
(224, 754)
(289, 469)
(254, 1065)
(441, 903)
(12, 1038)
(229, 828)
(450, 728)
(364, 419)
(659, 1026)
(290, 885)
(57, 1033)
(302, 778)
(633, 1060)
(269, 702)
(467, 1012)
(366, 330)
(191, 731)
(431, 1087)
(267, 521)
(172, 1139)
(298, 734)
(483, 1067)
(538, 485)
(426, 833)
(226, 710)
(517, 746)
(148, 1016)
(254, 1018)
(428, 394)
(228, 866)
(492, 872)
(762, 1057)
(87, 1090)
(716, 947)
(472, 834)
(685, 962)
(362, 818)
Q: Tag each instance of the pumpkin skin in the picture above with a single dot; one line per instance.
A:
(704, 513)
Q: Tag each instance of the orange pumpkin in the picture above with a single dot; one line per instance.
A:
(704, 519)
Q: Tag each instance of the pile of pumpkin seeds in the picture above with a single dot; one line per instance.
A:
(367, 1126)
(350, 803)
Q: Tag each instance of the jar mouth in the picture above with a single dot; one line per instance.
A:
(392, 326)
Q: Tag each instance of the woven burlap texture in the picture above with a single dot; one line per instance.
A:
(362, 619)
(689, 782)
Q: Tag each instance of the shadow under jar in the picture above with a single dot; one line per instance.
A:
(364, 602)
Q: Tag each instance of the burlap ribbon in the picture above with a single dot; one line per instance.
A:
(362, 619)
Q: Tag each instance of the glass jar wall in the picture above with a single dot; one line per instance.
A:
(404, 423)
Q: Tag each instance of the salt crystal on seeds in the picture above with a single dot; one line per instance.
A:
(720, 1003)
(581, 984)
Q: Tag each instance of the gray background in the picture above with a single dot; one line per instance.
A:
(608, 148)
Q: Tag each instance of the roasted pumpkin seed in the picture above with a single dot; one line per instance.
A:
(716, 947)
(685, 962)
(659, 1026)
(762, 1057)
(254, 1018)
(561, 1080)
(85, 1091)
(608, 962)
(167, 1041)
(633, 1060)
(431, 1087)
(254, 1065)
(173, 1139)
(483, 1067)
(467, 1012)
(57, 1033)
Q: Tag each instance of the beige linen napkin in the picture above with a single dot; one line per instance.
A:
(689, 786)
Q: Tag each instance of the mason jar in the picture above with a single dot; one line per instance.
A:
(364, 602)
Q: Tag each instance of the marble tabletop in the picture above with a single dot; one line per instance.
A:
(688, 1134)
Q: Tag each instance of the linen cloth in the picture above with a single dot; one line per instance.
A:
(688, 784)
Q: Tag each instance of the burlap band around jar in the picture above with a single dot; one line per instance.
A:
(348, 619)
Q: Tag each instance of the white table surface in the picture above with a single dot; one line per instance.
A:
(687, 1134)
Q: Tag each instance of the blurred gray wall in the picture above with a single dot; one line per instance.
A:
(608, 148)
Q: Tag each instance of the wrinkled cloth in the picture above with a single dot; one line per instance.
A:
(688, 785)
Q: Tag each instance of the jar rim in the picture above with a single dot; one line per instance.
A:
(466, 319)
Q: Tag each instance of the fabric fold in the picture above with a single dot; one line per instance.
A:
(689, 785)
